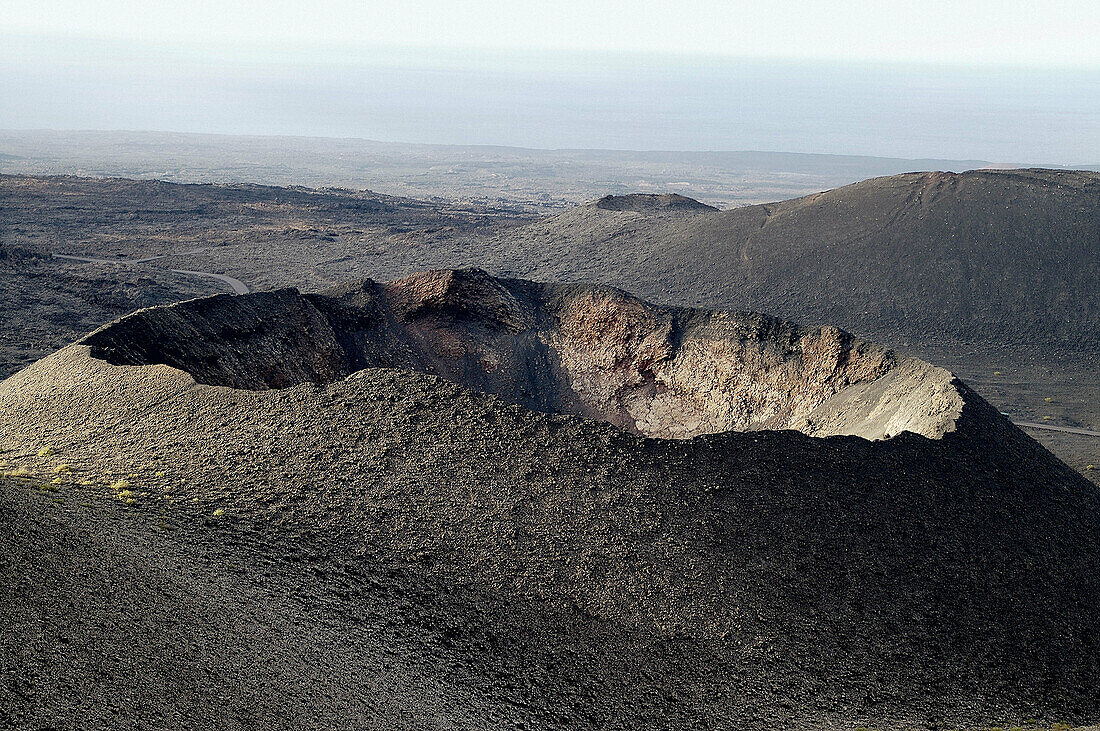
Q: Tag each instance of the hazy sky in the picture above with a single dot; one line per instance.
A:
(998, 80)
(1031, 32)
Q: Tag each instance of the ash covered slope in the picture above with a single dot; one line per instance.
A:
(1004, 256)
(580, 572)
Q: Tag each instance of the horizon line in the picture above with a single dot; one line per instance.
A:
(984, 164)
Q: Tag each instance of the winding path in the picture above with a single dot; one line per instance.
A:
(1051, 427)
(237, 285)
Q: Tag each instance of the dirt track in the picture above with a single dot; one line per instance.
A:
(1066, 429)
(236, 285)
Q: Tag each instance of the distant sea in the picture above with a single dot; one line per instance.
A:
(1001, 114)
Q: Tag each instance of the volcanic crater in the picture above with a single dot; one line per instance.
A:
(772, 560)
(592, 351)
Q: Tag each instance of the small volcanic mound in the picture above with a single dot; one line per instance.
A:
(652, 203)
(596, 352)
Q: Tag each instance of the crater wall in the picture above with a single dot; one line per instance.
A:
(593, 351)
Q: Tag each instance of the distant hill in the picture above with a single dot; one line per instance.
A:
(647, 203)
(1009, 257)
